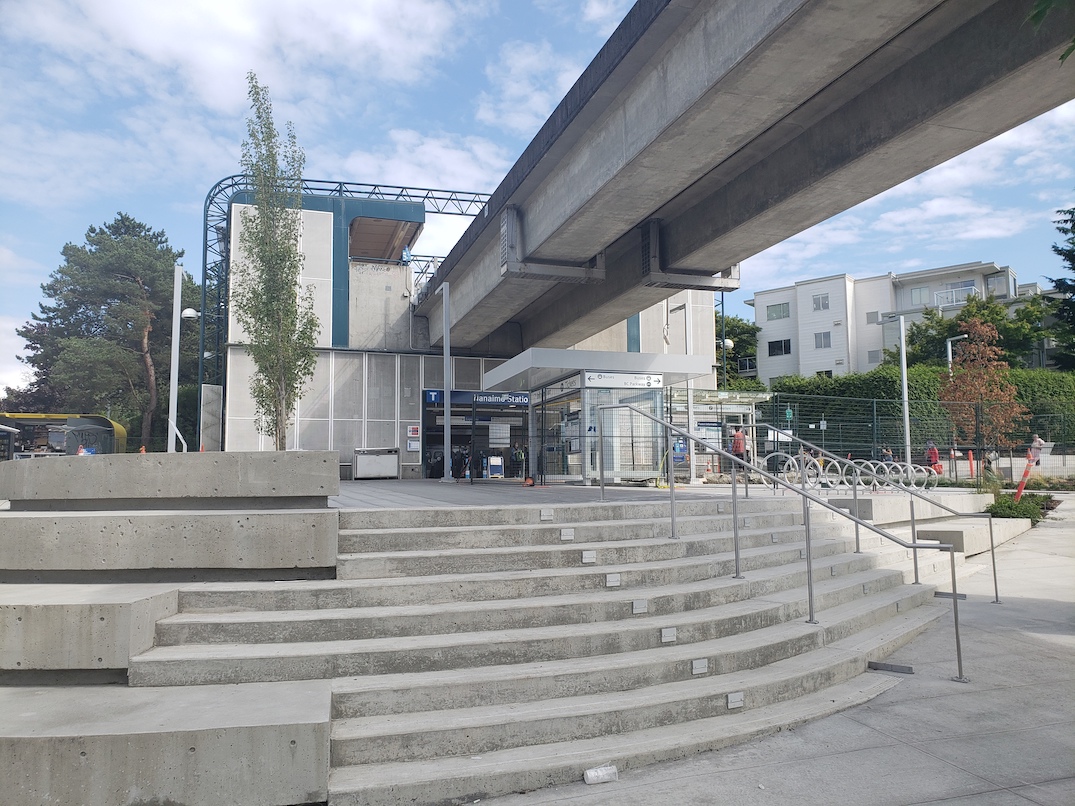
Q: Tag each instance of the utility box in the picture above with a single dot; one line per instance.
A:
(375, 463)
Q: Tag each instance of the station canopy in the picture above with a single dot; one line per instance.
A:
(538, 367)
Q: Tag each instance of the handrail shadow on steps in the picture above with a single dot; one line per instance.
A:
(807, 498)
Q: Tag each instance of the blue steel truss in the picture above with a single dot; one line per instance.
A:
(215, 245)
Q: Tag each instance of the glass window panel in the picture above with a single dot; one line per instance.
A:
(381, 435)
(346, 436)
(468, 373)
(347, 386)
(410, 387)
(313, 435)
(381, 385)
(315, 399)
(432, 372)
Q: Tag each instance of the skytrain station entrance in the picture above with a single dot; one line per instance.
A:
(577, 395)
(490, 434)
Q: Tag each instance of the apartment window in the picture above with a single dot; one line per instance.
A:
(823, 341)
(821, 302)
(873, 356)
(998, 286)
(824, 373)
(782, 310)
(920, 296)
(873, 317)
(780, 347)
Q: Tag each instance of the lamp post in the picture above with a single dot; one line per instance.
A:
(445, 292)
(948, 345)
(173, 380)
(903, 381)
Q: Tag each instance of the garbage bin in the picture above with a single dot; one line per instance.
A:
(375, 463)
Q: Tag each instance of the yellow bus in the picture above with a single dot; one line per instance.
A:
(37, 436)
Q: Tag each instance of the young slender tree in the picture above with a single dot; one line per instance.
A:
(979, 397)
(271, 306)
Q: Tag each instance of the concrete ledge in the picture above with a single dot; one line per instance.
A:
(971, 535)
(170, 480)
(80, 626)
(889, 508)
(96, 541)
(262, 744)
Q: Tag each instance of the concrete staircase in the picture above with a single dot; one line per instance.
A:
(478, 652)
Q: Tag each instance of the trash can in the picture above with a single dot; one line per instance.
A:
(375, 463)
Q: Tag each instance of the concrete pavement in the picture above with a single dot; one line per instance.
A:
(1006, 738)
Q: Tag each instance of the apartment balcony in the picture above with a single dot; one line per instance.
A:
(955, 296)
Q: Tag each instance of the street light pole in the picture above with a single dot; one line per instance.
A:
(173, 380)
(903, 383)
(445, 292)
(948, 345)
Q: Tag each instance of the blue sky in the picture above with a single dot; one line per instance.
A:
(140, 107)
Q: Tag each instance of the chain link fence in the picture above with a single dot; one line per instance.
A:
(972, 438)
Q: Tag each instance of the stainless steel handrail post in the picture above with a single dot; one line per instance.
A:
(671, 476)
(914, 539)
(855, 499)
(601, 452)
(959, 678)
(806, 529)
(735, 521)
(992, 551)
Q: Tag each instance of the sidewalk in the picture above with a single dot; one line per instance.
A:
(1006, 738)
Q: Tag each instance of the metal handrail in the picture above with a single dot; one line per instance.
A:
(806, 497)
(912, 492)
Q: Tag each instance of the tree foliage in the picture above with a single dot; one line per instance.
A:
(100, 343)
(1041, 10)
(267, 298)
(1019, 330)
(979, 397)
(1064, 307)
(744, 336)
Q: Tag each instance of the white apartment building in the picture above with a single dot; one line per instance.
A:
(838, 324)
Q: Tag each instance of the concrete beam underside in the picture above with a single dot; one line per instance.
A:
(928, 85)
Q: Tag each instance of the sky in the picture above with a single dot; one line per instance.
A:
(111, 106)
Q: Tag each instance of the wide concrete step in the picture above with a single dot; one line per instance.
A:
(284, 626)
(569, 514)
(486, 728)
(394, 564)
(209, 663)
(400, 693)
(465, 778)
(441, 588)
(354, 541)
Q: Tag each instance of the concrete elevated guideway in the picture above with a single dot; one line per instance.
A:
(708, 130)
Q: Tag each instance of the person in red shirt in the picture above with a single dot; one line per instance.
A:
(739, 445)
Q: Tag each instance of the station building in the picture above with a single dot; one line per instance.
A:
(378, 386)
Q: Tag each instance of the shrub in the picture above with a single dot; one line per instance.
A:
(1029, 506)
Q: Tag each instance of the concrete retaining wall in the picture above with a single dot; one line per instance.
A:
(79, 626)
(264, 744)
(892, 508)
(112, 541)
(172, 480)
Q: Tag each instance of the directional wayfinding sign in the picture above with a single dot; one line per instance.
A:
(623, 380)
(789, 413)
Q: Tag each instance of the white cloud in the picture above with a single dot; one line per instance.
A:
(528, 81)
(444, 161)
(952, 218)
(20, 271)
(605, 14)
(13, 373)
(204, 47)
